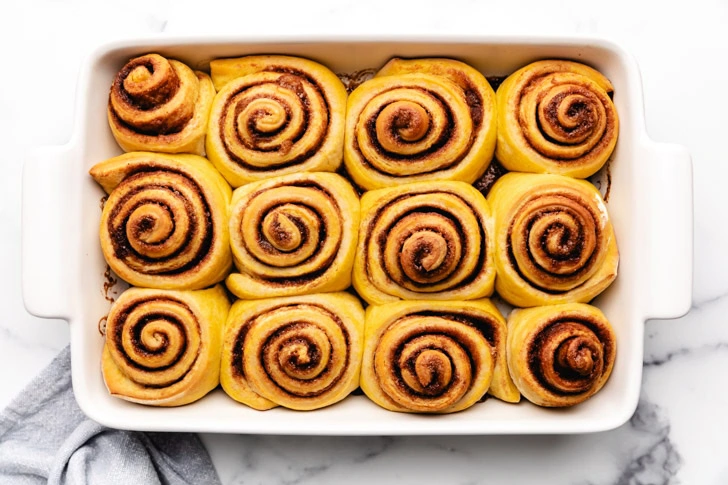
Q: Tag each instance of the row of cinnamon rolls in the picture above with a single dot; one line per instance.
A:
(172, 222)
(258, 117)
(168, 348)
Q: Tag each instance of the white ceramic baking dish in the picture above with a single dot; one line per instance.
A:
(650, 204)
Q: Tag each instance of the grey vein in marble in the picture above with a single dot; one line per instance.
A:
(684, 352)
(661, 462)
(373, 450)
(650, 458)
(9, 335)
(701, 330)
(702, 304)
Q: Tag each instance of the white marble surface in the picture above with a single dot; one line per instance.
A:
(677, 434)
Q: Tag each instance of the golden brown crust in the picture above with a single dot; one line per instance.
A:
(554, 241)
(300, 352)
(292, 235)
(424, 240)
(560, 355)
(164, 224)
(419, 120)
(161, 105)
(163, 347)
(435, 357)
(275, 115)
(556, 117)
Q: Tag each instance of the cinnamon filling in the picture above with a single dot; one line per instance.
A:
(292, 350)
(156, 223)
(264, 123)
(566, 361)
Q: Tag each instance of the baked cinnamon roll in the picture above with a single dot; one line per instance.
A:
(554, 242)
(560, 355)
(428, 240)
(435, 357)
(164, 224)
(274, 115)
(301, 352)
(556, 117)
(420, 120)
(163, 347)
(293, 235)
(160, 105)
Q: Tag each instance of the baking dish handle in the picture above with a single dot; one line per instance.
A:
(670, 230)
(45, 232)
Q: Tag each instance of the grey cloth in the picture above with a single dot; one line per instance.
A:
(44, 437)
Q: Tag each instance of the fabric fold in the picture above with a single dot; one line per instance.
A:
(46, 438)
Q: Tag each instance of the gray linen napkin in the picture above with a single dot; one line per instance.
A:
(44, 437)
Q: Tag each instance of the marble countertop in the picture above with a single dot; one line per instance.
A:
(676, 435)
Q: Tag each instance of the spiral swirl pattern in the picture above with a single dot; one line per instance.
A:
(162, 347)
(295, 234)
(164, 224)
(160, 105)
(298, 352)
(560, 355)
(554, 245)
(426, 119)
(424, 240)
(278, 116)
(435, 357)
(556, 117)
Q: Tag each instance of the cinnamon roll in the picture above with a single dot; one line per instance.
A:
(160, 105)
(554, 242)
(427, 240)
(301, 352)
(163, 347)
(420, 120)
(560, 355)
(556, 117)
(435, 357)
(275, 115)
(293, 235)
(164, 224)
